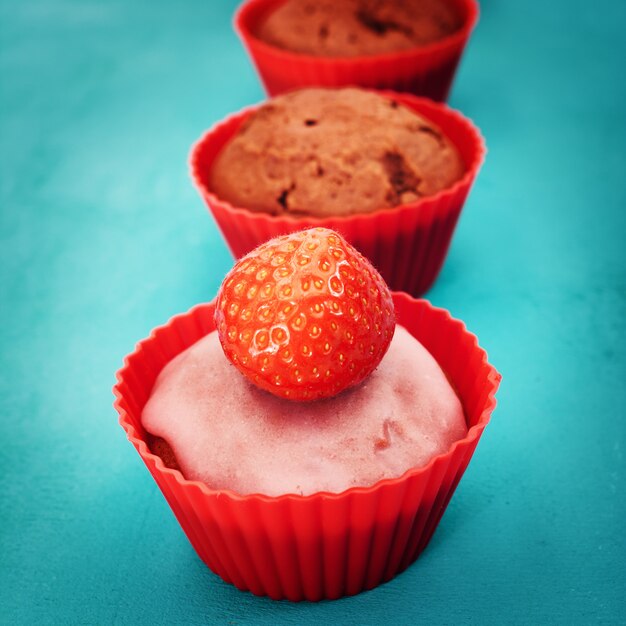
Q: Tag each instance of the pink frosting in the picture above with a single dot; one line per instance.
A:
(231, 435)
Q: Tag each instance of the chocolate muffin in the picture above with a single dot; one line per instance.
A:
(351, 28)
(330, 152)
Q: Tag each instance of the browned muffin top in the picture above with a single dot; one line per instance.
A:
(349, 28)
(325, 152)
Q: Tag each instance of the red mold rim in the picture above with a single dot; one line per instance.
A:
(422, 106)
(244, 28)
(122, 375)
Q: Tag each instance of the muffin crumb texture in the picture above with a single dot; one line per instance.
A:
(349, 28)
(323, 152)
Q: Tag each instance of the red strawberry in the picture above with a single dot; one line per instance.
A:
(305, 316)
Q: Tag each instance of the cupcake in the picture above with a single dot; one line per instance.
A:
(355, 28)
(404, 45)
(402, 416)
(305, 154)
(307, 473)
(389, 171)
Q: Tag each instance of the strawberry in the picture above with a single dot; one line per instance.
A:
(305, 316)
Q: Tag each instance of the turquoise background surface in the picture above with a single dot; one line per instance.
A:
(102, 237)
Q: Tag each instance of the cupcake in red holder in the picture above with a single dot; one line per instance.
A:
(407, 244)
(425, 70)
(324, 545)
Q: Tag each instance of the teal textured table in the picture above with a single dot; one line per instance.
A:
(102, 237)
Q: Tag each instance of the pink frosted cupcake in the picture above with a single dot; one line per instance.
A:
(389, 171)
(404, 45)
(287, 496)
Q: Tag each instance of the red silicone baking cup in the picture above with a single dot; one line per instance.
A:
(425, 70)
(407, 244)
(321, 546)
